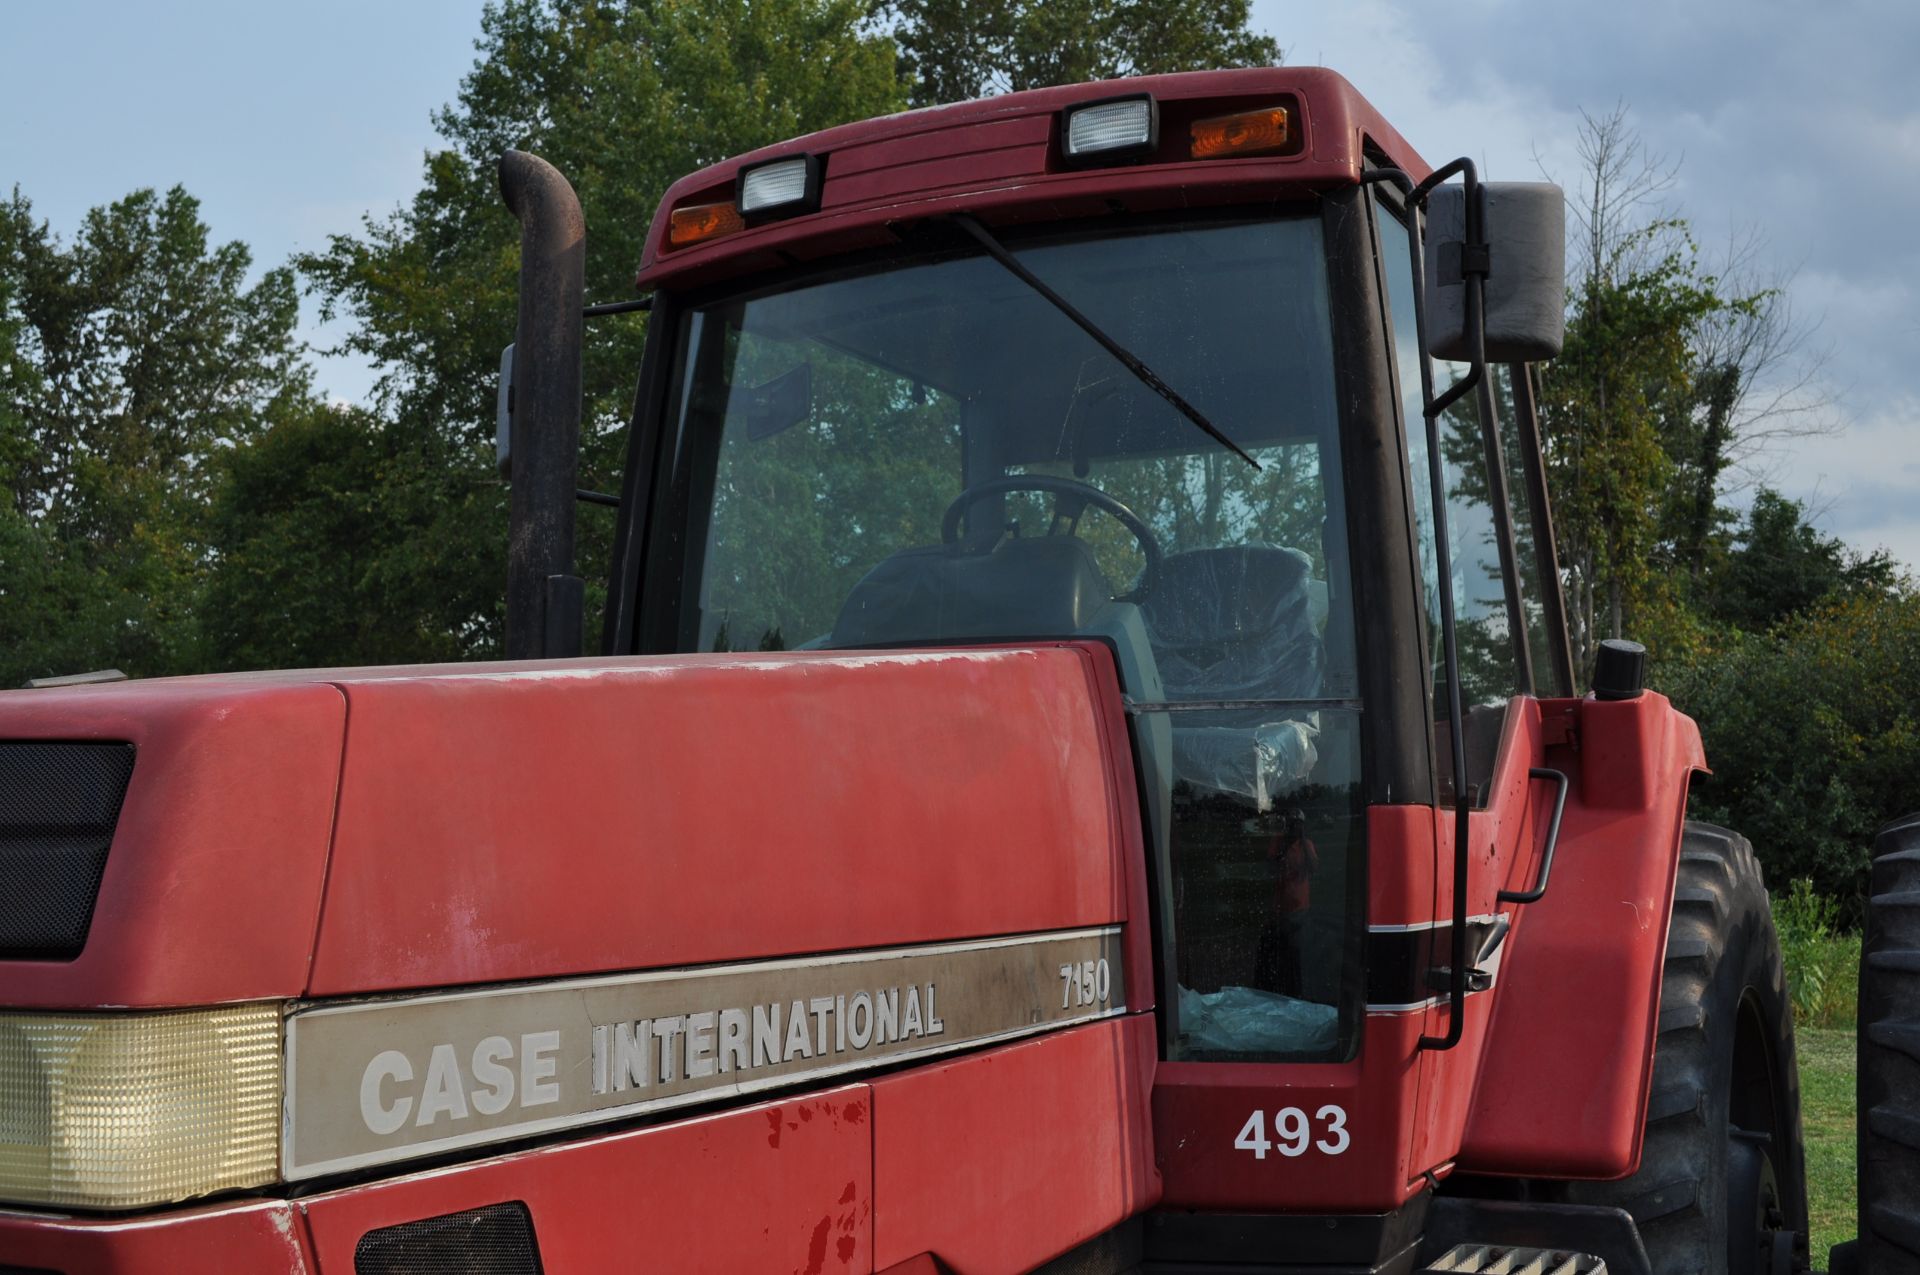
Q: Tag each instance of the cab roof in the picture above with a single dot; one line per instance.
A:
(1000, 159)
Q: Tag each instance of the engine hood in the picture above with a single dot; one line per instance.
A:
(339, 832)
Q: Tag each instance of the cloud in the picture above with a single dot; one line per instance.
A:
(1801, 125)
(1862, 484)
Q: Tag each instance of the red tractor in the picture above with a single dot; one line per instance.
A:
(1086, 774)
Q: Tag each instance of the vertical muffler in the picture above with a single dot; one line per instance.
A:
(544, 596)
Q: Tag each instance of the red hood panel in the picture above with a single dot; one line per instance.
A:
(557, 819)
(521, 821)
(212, 885)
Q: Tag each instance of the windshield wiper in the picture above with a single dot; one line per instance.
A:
(1127, 358)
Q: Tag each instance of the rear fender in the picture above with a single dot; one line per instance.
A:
(1562, 1082)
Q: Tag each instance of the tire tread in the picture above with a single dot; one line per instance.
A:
(1719, 887)
(1889, 1058)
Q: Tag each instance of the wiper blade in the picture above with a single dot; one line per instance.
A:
(1127, 358)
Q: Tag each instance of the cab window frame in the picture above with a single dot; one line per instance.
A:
(1483, 754)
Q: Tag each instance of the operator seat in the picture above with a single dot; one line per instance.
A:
(1235, 624)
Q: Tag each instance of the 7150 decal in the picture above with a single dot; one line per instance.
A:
(1294, 1134)
(1088, 983)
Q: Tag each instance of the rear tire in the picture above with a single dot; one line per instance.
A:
(1889, 1069)
(1723, 1114)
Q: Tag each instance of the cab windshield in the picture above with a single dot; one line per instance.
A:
(932, 454)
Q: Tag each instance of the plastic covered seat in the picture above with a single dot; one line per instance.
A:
(1237, 624)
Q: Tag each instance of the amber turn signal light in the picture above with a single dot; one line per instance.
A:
(1248, 133)
(698, 223)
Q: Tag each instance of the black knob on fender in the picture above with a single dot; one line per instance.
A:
(1619, 670)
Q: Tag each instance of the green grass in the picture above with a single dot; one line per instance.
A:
(1823, 979)
(1826, 1117)
(1823, 961)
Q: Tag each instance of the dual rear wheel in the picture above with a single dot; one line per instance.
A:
(1889, 1070)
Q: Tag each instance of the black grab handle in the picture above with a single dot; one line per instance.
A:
(1553, 839)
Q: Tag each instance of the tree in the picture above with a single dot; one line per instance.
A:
(330, 537)
(959, 49)
(1678, 378)
(129, 361)
(1757, 383)
(1619, 406)
(1813, 734)
(1783, 566)
(624, 98)
(1626, 369)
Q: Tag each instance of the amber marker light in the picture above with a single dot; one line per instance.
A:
(1248, 133)
(698, 223)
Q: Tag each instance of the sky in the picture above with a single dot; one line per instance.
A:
(288, 123)
(1786, 122)
(1797, 123)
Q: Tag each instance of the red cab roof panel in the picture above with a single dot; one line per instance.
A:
(1000, 158)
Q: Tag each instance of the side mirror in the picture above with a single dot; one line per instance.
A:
(503, 416)
(1526, 265)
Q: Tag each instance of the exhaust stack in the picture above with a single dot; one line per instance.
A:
(544, 596)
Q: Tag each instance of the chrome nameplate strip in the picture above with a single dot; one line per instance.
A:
(375, 1082)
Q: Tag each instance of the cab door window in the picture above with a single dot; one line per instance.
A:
(1530, 561)
(1490, 670)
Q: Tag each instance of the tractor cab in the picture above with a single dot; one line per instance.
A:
(1160, 384)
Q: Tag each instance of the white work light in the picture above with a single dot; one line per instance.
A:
(120, 1111)
(1115, 129)
(780, 188)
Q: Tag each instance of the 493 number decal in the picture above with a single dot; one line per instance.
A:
(1294, 1134)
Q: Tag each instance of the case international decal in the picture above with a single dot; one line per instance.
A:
(378, 1081)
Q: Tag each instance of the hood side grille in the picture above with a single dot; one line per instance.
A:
(59, 802)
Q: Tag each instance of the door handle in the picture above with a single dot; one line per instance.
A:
(1553, 838)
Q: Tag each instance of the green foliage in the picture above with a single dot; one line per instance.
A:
(1822, 959)
(1783, 566)
(1813, 734)
(130, 360)
(335, 537)
(960, 49)
(1626, 371)
(1795, 657)
(623, 98)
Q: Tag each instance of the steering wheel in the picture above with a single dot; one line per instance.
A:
(1071, 498)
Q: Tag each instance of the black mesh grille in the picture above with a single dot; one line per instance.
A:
(58, 805)
(496, 1240)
